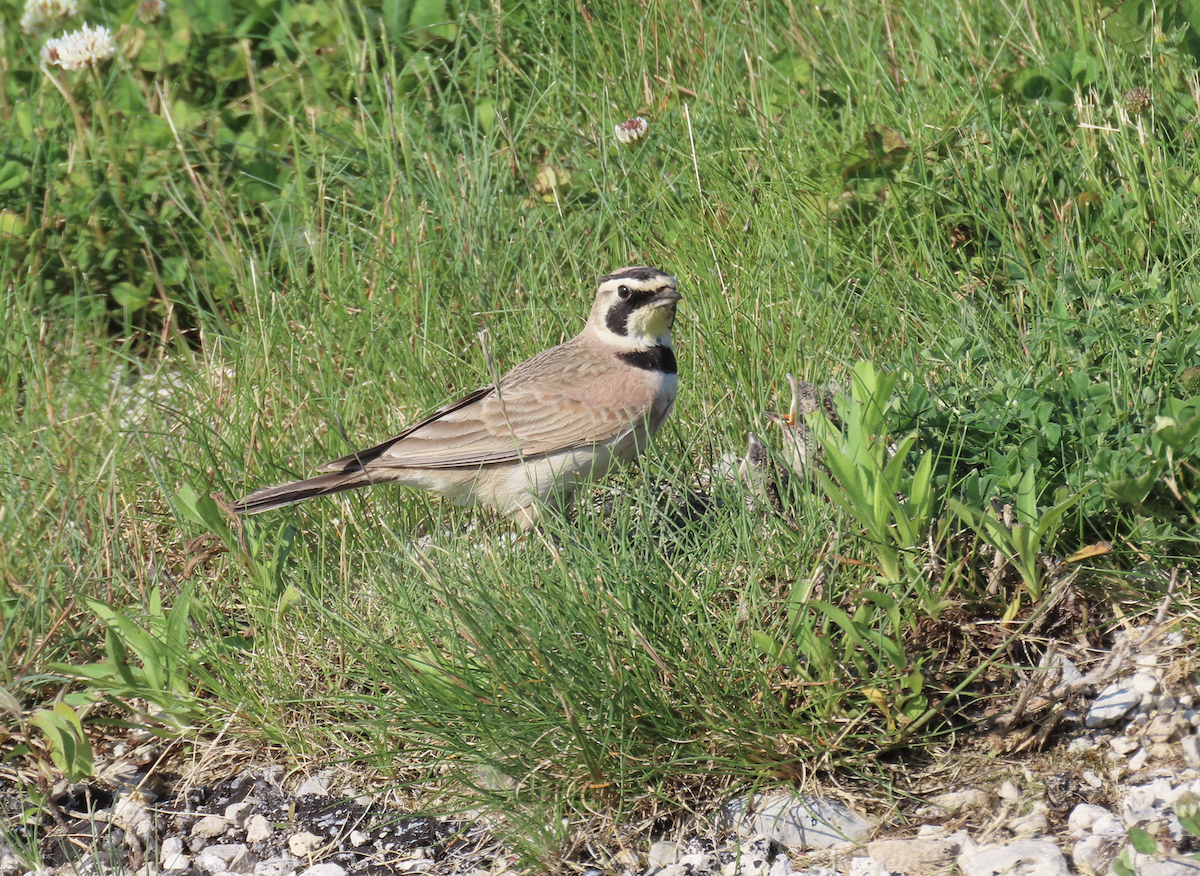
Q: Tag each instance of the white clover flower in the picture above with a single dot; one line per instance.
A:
(632, 130)
(149, 11)
(42, 16)
(85, 47)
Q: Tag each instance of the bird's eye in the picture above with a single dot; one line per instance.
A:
(623, 291)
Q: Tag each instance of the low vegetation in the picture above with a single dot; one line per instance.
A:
(262, 233)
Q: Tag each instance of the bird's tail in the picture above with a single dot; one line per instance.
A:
(298, 491)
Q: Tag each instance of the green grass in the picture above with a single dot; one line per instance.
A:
(309, 272)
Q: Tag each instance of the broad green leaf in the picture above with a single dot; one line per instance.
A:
(1142, 841)
(1026, 504)
(12, 175)
(131, 297)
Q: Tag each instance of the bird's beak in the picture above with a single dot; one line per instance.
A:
(666, 295)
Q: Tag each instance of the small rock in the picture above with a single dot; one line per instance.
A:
(1070, 672)
(1019, 858)
(1154, 865)
(790, 820)
(751, 858)
(1144, 683)
(1093, 854)
(324, 870)
(258, 829)
(1165, 728)
(1146, 661)
(1032, 824)
(358, 838)
(1167, 703)
(226, 858)
(1009, 791)
(1123, 744)
(132, 815)
(171, 846)
(914, 855)
(1083, 816)
(1108, 825)
(1114, 703)
(1191, 750)
(1161, 752)
(1139, 760)
(284, 865)
(314, 787)
(781, 866)
(237, 813)
(625, 859)
(171, 856)
(304, 843)
(661, 854)
(957, 801)
(1092, 780)
(866, 867)
(697, 863)
(210, 827)
(414, 865)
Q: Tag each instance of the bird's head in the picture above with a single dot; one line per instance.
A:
(635, 308)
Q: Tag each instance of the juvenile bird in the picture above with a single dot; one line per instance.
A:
(798, 443)
(566, 416)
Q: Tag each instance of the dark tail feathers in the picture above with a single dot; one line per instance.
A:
(298, 491)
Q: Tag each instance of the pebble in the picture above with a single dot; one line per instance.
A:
(1093, 854)
(227, 858)
(914, 855)
(304, 843)
(955, 802)
(790, 820)
(1020, 858)
(327, 869)
(1083, 816)
(1033, 824)
(662, 853)
(1123, 744)
(1114, 703)
(317, 786)
(210, 827)
(1191, 750)
(171, 856)
(1139, 760)
(1144, 729)
(237, 813)
(258, 829)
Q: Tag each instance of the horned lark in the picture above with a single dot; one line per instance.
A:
(798, 443)
(566, 416)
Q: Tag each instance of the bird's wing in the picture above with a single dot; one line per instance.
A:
(537, 412)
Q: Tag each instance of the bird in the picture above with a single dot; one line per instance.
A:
(798, 442)
(760, 474)
(526, 441)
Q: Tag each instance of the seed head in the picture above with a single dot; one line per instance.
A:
(1137, 100)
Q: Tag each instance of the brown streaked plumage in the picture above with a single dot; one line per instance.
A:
(566, 416)
(798, 444)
